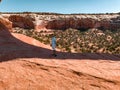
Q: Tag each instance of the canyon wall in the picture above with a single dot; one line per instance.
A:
(41, 22)
(23, 22)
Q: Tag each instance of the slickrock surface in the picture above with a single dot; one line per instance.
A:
(26, 64)
(55, 74)
(5, 24)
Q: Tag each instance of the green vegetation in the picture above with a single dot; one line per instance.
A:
(72, 40)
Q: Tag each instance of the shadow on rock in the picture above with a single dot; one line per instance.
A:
(12, 48)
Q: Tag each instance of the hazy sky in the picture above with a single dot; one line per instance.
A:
(61, 6)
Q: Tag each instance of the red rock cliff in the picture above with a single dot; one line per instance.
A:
(38, 22)
(22, 21)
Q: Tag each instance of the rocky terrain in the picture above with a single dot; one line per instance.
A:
(27, 64)
(38, 21)
(102, 35)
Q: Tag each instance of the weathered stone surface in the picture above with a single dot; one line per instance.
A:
(55, 74)
(65, 23)
(5, 24)
(22, 21)
(84, 23)
(27, 64)
(41, 22)
(40, 25)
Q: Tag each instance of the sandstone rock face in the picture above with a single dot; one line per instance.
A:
(40, 25)
(65, 23)
(5, 24)
(39, 74)
(84, 23)
(22, 21)
(27, 64)
(41, 22)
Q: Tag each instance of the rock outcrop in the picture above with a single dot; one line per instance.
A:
(38, 22)
(39, 74)
(22, 21)
(5, 24)
(65, 23)
(27, 64)
(85, 23)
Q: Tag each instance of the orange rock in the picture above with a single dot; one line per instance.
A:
(22, 21)
(38, 22)
(5, 24)
(27, 64)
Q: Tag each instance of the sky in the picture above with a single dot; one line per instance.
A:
(61, 6)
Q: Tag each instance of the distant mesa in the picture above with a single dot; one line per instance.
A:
(40, 21)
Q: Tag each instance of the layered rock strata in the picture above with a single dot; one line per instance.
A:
(38, 22)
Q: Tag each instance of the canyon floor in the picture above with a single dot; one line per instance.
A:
(27, 64)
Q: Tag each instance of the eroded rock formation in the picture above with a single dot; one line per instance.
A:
(27, 64)
(38, 22)
(85, 23)
(65, 23)
(22, 21)
(5, 24)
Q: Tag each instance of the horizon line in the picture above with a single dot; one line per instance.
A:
(30, 12)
